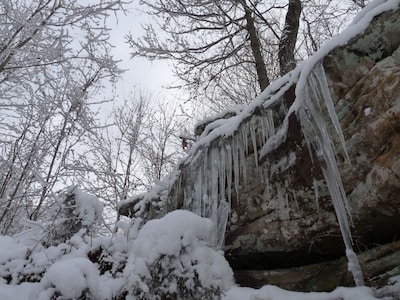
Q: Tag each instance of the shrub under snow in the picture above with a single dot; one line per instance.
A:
(167, 258)
(74, 278)
(170, 259)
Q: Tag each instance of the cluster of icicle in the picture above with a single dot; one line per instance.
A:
(220, 169)
(217, 170)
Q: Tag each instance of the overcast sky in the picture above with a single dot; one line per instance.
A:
(143, 74)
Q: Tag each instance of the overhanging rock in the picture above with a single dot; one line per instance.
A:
(267, 174)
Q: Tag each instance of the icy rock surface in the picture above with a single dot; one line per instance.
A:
(300, 169)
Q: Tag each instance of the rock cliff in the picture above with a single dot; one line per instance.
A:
(312, 160)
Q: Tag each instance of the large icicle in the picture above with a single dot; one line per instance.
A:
(316, 133)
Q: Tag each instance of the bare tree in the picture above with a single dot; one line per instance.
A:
(162, 146)
(138, 146)
(112, 157)
(287, 44)
(211, 41)
(321, 20)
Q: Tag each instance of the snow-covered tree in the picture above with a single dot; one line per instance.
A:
(54, 55)
(109, 168)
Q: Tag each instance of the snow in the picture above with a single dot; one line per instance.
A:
(180, 250)
(70, 277)
(175, 247)
(20, 292)
(166, 236)
(271, 292)
(10, 250)
(88, 208)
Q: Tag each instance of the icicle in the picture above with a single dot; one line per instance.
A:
(254, 143)
(264, 130)
(198, 191)
(229, 164)
(222, 173)
(275, 140)
(242, 146)
(315, 187)
(316, 132)
(221, 167)
(235, 157)
(213, 184)
(318, 79)
(222, 220)
(270, 124)
(205, 187)
(354, 267)
(295, 200)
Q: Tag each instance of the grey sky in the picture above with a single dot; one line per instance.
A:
(141, 73)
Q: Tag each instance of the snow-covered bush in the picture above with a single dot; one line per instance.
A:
(12, 259)
(75, 278)
(170, 259)
(77, 212)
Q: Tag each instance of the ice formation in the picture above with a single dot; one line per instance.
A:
(219, 169)
(315, 130)
(215, 167)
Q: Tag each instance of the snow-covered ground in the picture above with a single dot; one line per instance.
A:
(24, 291)
(271, 292)
(174, 255)
(174, 248)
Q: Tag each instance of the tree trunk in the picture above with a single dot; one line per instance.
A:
(288, 40)
(262, 74)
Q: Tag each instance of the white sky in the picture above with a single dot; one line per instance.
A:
(143, 74)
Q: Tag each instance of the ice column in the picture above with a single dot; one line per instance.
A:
(316, 133)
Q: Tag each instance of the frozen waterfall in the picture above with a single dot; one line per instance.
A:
(216, 172)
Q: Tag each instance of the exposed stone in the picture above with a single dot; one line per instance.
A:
(379, 265)
(365, 86)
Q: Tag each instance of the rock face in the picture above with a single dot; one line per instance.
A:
(281, 203)
(364, 81)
